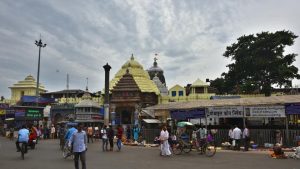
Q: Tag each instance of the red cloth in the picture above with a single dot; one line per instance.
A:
(120, 133)
(32, 135)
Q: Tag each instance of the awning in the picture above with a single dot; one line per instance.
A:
(10, 119)
(148, 112)
(153, 121)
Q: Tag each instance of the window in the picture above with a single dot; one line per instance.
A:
(173, 93)
(180, 93)
(22, 93)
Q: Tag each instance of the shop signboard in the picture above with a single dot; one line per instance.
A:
(28, 113)
(20, 113)
(225, 112)
(187, 114)
(34, 113)
(83, 117)
(292, 108)
(265, 111)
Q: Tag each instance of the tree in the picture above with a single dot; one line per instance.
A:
(259, 61)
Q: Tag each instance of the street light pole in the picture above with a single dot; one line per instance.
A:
(40, 45)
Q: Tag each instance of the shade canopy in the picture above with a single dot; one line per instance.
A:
(184, 123)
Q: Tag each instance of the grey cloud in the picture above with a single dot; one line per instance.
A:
(82, 36)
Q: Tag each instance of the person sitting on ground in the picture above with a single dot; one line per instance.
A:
(278, 153)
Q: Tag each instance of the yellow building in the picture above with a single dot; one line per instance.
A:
(25, 87)
(196, 91)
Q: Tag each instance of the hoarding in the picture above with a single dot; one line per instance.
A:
(187, 114)
(225, 112)
(292, 108)
(265, 111)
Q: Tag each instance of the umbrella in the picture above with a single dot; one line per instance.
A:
(184, 123)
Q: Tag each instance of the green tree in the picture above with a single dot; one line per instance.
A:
(259, 62)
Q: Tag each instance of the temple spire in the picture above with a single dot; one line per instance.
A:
(132, 58)
(155, 60)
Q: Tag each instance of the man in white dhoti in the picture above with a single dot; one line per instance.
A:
(164, 145)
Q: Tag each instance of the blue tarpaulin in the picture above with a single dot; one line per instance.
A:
(33, 99)
(292, 108)
(187, 114)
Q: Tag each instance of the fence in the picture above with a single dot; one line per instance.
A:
(259, 136)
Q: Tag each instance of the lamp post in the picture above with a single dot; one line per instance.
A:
(40, 45)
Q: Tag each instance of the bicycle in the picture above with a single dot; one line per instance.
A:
(23, 150)
(208, 148)
(67, 151)
(181, 146)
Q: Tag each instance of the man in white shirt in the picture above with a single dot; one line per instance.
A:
(237, 133)
(79, 140)
(230, 135)
(246, 137)
(164, 147)
(104, 138)
(52, 132)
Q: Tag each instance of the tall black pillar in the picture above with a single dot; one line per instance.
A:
(106, 98)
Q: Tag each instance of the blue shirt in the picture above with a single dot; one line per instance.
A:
(69, 133)
(79, 141)
(23, 135)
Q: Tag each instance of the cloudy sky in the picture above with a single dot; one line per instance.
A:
(189, 37)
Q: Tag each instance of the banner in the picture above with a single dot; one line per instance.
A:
(225, 112)
(187, 114)
(292, 108)
(265, 111)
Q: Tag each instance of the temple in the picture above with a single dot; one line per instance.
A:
(131, 90)
(26, 87)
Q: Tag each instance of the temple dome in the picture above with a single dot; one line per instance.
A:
(156, 71)
(132, 63)
(140, 76)
(87, 101)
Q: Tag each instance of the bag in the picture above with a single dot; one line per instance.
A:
(233, 142)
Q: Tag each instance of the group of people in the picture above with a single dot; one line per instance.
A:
(108, 134)
(236, 135)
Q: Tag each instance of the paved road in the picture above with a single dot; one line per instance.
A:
(48, 156)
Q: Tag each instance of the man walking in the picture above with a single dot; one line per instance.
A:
(79, 140)
(90, 134)
(110, 135)
(52, 132)
(237, 133)
(119, 136)
(246, 137)
(164, 147)
(104, 138)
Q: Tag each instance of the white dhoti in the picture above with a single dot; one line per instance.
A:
(165, 148)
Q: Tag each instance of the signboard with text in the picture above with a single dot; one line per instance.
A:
(265, 111)
(225, 112)
(28, 113)
(292, 108)
(187, 114)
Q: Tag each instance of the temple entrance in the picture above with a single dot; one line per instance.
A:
(125, 115)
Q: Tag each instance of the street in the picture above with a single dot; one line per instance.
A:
(48, 156)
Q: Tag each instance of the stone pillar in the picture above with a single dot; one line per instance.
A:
(136, 114)
(106, 98)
